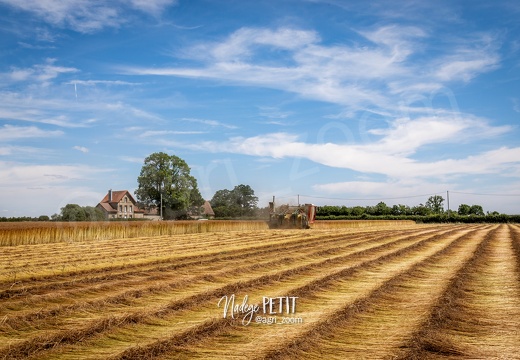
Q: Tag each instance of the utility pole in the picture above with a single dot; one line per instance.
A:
(161, 206)
(298, 200)
(448, 198)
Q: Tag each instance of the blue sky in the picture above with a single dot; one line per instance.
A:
(341, 102)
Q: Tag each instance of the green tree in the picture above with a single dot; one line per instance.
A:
(476, 210)
(435, 204)
(464, 209)
(382, 209)
(93, 214)
(401, 210)
(421, 210)
(241, 201)
(222, 204)
(168, 176)
(357, 211)
(244, 197)
(72, 212)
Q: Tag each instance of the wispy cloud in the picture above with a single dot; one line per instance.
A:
(49, 187)
(17, 174)
(40, 115)
(156, 133)
(99, 82)
(212, 123)
(10, 133)
(40, 73)
(354, 76)
(384, 190)
(82, 149)
(391, 154)
(88, 16)
(24, 152)
(132, 159)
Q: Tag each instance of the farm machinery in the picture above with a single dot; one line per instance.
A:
(291, 217)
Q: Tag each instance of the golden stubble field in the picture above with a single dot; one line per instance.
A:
(401, 291)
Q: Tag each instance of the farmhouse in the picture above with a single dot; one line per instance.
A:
(121, 204)
(207, 211)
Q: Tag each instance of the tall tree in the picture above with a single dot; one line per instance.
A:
(168, 176)
(464, 209)
(476, 210)
(244, 197)
(241, 201)
(73, 212)
(435, 204)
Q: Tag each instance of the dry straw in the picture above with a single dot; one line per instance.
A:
(29, 233)
(161, 300)
(342, 224)
(478, 316)
(236, 278)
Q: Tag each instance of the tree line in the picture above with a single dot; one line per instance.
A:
(433, 206)
(165, 183)
(431, 211)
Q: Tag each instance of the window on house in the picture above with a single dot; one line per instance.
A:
(120, 208)
(126, 209)
(130, 208)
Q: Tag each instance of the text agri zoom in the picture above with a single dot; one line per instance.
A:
(271, 306)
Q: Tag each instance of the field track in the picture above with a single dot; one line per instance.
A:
(408, 292)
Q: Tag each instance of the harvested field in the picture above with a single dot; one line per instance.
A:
(376, 292)
(29, 233)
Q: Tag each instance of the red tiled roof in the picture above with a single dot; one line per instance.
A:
(207, 209)
(107, 207)
(117, 196)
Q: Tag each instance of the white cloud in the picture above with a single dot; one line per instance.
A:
(213, 123)
(399, 39)
(154, 7)
(466, 68)
(155, 133)
(136, 160)
(124, 108)
(10, 132)
(83, 149)
(38, 114)
(40, 73)
(46, 187)
(400, 190)
(99, 82)
(390, 156)
(466, 61)
(405, 136)
(23, 152)
(88, 16)
(373, 76)
(16, 174)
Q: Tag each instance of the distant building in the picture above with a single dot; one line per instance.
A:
(121, 204)
(207, 211)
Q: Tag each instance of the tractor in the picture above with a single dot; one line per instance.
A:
(291, 217)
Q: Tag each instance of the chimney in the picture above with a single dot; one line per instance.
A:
(110, 195)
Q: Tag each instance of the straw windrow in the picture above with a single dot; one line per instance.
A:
(376, 292)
